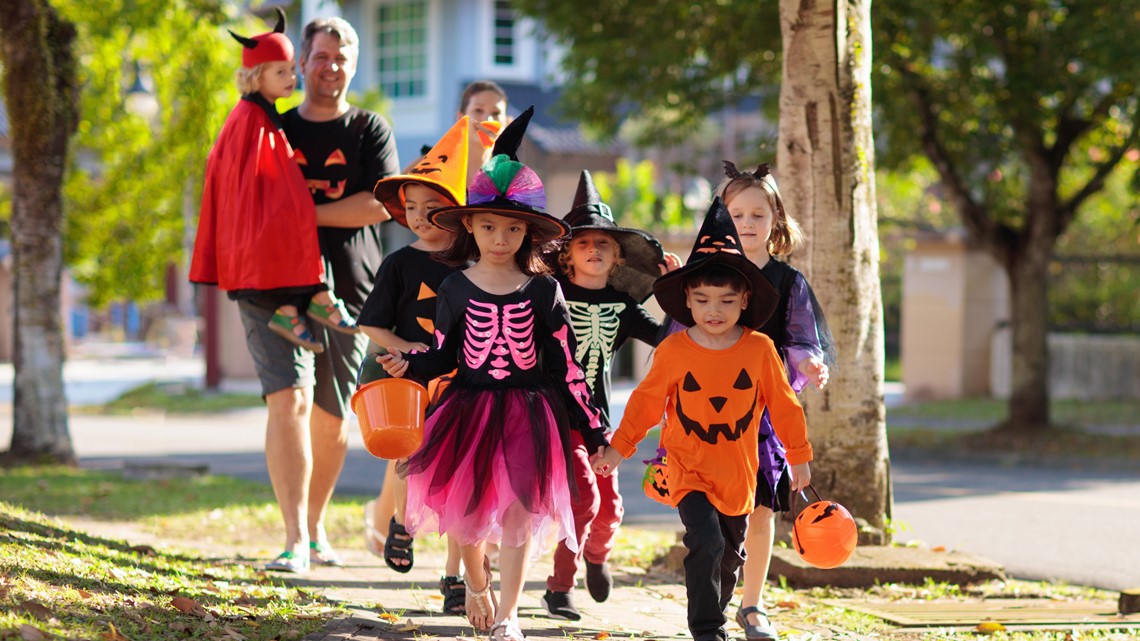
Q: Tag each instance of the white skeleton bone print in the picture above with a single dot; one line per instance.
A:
(486, 336)
(596, 327)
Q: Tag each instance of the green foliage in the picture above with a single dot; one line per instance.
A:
(631, 192)
(1012, 88)
(134, 186)
(671, 63)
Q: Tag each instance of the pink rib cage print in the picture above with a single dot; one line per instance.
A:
(490, 333)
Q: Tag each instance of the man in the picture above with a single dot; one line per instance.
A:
(342, 150)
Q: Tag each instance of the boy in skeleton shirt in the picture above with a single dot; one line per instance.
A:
(605, 271)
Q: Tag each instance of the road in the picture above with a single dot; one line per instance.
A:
(1081, 527)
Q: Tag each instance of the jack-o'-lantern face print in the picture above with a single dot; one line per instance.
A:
(731, 400)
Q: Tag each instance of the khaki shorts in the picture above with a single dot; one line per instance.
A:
(282, 365)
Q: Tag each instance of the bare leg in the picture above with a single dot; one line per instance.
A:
(289, 460)
(329, 436)
(513, 566)
(400, 500)
(454, 556)
(385, 506)
(758, 546)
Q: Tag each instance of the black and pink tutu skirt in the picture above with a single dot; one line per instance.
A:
(493, 467)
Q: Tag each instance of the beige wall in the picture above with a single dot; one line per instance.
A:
(952, 299)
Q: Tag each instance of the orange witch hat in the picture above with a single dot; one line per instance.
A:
(443, 169)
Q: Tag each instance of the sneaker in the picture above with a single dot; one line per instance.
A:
(598, 580)
(559, 606)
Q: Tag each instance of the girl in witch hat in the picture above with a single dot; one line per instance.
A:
(400, 311)
(257, 228)
(712, 381)
(493, 467)
(799, 330)
(606, 272)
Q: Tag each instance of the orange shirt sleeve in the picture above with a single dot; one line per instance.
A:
(783, 407)
(647, 403)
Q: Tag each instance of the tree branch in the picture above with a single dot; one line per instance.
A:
(980, 226)
(1068, 210)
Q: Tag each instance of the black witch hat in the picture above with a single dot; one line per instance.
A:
(506, 187)
(718, 244)
(641, 252)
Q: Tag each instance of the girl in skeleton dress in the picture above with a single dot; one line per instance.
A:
(494, 464)
(605, 271)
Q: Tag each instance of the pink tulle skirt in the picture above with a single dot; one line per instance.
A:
(493, 467)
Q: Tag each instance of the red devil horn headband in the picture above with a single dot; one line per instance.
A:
(273, 46)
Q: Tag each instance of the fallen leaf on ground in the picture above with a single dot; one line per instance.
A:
(938, 548)
(84, 594)
(233, 634)
(35, 610)
(989, 627)
(601, 636)
(113, 634)
(791, 605)
(31, 633)
(389, 617)
(188, 606)
(409, 626)
(144, 550)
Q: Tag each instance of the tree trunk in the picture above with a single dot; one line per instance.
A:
(1029, 328)
(825, 166)
(42, 99)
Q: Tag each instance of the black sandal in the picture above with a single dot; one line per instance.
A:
(454, 592)
(398, 546)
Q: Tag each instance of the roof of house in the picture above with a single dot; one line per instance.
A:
(547, 130)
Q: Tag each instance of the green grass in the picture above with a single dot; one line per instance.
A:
(172, 398)
(56, 581)
(1065, 412)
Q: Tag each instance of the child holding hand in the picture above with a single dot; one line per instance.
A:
(713, 381)
(493, 466)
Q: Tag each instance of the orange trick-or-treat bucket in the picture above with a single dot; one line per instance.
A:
(824, 533)
(391, 415)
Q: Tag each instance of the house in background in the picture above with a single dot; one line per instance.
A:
(421, 54)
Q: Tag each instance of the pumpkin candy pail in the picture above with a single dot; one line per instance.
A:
(824, 533)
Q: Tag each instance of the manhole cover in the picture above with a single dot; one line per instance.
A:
(1016, 612)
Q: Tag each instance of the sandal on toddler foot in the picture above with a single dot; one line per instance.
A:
(398, 547)
(454, 592)
(480, 597)
(284, 326)
(506, 631)
(323, 314)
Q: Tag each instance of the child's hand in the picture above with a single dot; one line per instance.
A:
(672, 263)
(815, 371)
(605, 461)
(801, 477)
(408, 347)
(393, 363)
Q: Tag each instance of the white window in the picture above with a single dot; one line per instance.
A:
(401, 48)
(503, 33)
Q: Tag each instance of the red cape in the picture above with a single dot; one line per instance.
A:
(257, 229)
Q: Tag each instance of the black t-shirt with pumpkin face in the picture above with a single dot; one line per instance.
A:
(339, 158)
(404, 297)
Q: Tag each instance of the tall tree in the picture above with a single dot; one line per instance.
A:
(42, 98)
(672, 63)
(1025, 108)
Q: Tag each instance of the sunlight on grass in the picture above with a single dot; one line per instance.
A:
(64, 582)
(172, 398)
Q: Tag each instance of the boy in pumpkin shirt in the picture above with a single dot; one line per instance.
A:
(713, 381)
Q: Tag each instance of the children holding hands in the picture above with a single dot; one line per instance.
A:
(713, 382)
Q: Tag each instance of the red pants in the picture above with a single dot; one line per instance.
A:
(597, 515)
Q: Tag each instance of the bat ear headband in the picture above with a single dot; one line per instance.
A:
(733, 173)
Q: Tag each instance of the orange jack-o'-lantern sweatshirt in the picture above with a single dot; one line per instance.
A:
(713, 400)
